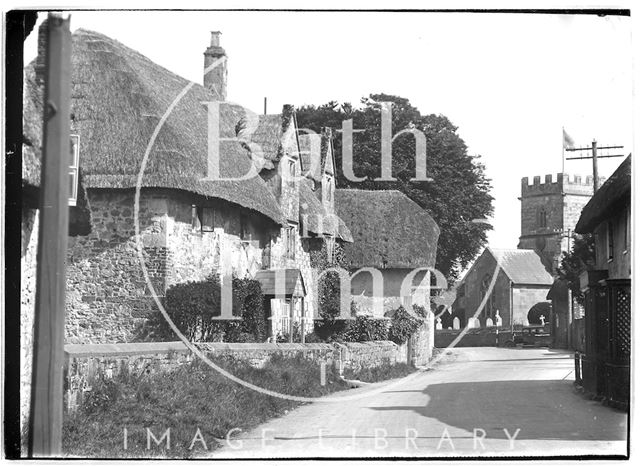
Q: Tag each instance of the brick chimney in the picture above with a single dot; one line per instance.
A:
(215, 80)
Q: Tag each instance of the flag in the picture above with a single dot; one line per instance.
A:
(567, 141)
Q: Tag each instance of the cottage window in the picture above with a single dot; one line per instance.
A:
(290, 241)
(74, 165)
(245, 232)
(202, 218)
(328, 189)
(195, 219)
(290, 169)
(627, 229)
(610, 239)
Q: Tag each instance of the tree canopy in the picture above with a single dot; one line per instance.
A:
(458, 192)
(581, 257)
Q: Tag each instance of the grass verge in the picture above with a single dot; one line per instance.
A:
(385, 371)
(196, 405)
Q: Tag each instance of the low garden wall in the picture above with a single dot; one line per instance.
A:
(84, 362)
(486, 336)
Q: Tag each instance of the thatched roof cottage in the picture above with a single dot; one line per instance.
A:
(190, 226)
(393, 234)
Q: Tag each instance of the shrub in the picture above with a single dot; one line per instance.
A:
(404, 325)
(247, 294)
(193, 305)
(364, 328)
(313, 338)
(104, 391)
(331, 329)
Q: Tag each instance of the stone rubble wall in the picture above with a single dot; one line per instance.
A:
(84, 362)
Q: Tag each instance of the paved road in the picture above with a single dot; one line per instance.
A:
(487, 393)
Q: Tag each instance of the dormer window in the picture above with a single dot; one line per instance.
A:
(290, 166)
(74, 165)
(328, 181)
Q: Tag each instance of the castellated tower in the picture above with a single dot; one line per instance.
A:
(549, 213)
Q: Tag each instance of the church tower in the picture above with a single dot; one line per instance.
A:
(549, 213)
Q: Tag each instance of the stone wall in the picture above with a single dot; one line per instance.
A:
(107, 295)
(83, 362)
(472, 337)
(108, 299)
(421, 344)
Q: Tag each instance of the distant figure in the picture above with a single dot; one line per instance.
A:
(438, 324)
(498, 319)
(456, 323)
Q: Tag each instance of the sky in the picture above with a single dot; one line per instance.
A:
(509, 82)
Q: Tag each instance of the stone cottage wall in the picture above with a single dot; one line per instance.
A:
(197, 254)
(107, 295)
(108, 300)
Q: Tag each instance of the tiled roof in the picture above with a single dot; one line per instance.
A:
(522, 266)
(269, 279)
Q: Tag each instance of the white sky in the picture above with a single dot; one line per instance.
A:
(509, 82)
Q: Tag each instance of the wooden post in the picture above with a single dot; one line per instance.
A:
(594, 157)
(302, 320)
(291, 315)
(45, 422)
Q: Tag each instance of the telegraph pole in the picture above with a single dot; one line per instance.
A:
(594, 157)
(45, 419)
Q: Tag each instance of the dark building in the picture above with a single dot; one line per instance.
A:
(607, 288)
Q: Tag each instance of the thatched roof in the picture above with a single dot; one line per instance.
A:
(389, 230)
(314, 152)
(314, 217)
(614, 194)
(32, 122)
(268, 135)
(118, 98)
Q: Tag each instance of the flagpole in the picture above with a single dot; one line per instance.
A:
(563, 151)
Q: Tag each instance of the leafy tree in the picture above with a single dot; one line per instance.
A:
(459, 191)
(581, 257)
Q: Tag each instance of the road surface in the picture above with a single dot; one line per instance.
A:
(475, 402)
